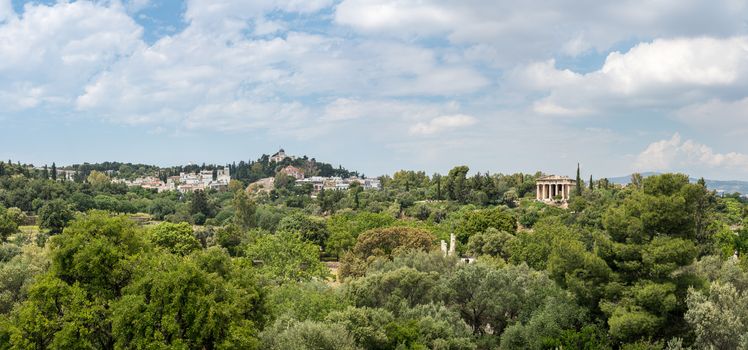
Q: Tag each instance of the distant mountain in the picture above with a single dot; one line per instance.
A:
(728, 186)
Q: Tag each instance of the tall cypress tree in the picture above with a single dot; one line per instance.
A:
(438, 178)
(579, 182)
(54, 171)
(591, 182)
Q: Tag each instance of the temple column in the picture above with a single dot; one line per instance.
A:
(542, 191)
(563, 191)
(537, 191)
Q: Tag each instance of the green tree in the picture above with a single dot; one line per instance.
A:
(19, 273)
(456, 184)
(312, 300)
(578, 182)
(176, 238)
(56, 315)
(205, 301)
(244, 211)
(54, 171)
(307, 335)
(491, 242)
(8, 225)
(98, 179)
(16, 215)
(310, 229)
(284, 257)
(97, 251)
(54, 215)
(501, 297)
(383, 242)
(437, 179)
(720, 317)
(468, 222)
(199, 204)
(394, 290)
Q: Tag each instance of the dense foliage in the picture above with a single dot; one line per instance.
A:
(658, 264)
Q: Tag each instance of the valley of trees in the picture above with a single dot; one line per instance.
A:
(90, 264)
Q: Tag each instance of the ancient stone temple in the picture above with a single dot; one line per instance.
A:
(552, 187)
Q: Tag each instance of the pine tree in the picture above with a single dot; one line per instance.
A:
(54, 171)
(579, 182)
(591, 188)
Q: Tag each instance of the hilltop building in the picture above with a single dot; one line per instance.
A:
(553, 188)
(278, 156)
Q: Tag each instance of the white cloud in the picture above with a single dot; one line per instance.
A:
(534, 28)
(244, 80)
(442, 123)
(664, 73)
(677, 154)
(134, 6)
(230, 16)
(548, 107)
(50, 52)
(6, 11)
(725, 117)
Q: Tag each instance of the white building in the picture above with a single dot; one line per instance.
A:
(185, 182)
(278, 156)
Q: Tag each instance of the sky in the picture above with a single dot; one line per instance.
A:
(381, 85)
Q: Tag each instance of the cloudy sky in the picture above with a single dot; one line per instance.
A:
(381, 85)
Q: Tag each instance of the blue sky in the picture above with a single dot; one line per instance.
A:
(380, 85)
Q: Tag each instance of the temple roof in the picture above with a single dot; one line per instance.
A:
(554, 178)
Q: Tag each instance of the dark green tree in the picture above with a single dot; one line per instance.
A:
(54, 171)
(437, 178)
(199, 203)
(579, 182)
(244, 211)
(54, 215)
(310, 229)
(457, 188)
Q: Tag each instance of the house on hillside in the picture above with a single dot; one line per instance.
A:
(293, 171)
